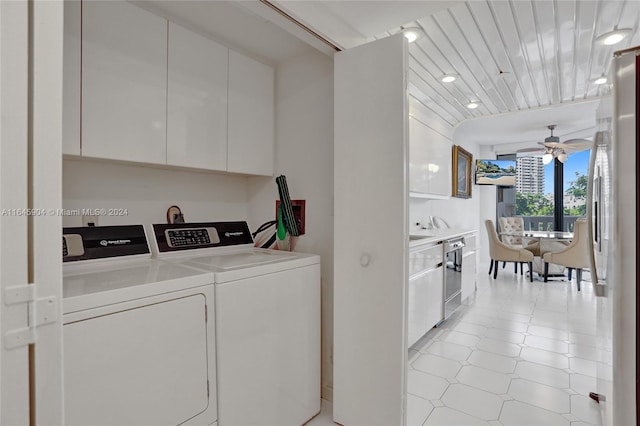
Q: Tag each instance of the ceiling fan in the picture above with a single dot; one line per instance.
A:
(552, 147)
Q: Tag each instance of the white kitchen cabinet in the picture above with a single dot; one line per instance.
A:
(196, 101)
(429, 161)
(469, 265)
(426, 291)
(124, 82)
(71, 78)
(250, 116)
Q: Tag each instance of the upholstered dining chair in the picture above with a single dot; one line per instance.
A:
(516, 224)
(574, 256)
(501, 252)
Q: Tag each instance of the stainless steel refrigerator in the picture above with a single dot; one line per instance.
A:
(613, 213)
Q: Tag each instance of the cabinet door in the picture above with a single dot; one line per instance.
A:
(422, 259)
(71, 78)
(370, 272)
(468, 274)
(429, 160)
(425, 303)
(196, 101)
(251, 116)
(124, 82)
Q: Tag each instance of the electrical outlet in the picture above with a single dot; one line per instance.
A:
(299, 207)
(89, 220)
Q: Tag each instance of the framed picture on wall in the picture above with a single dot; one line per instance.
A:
(462, 163)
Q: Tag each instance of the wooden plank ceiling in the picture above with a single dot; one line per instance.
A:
(511, 55)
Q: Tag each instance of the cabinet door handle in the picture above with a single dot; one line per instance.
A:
(364, 260)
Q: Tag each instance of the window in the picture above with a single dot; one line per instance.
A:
(536, 198)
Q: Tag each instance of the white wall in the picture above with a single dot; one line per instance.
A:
(148, 192)
(304, 154)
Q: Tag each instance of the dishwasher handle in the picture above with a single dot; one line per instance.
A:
(454, 244)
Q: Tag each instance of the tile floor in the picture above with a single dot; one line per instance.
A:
(520, 353)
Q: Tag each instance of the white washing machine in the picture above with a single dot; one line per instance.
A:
(138, 333)
(267, 321)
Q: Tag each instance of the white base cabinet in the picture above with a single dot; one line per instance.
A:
(426, 291)
(425, 304)
(469, 266)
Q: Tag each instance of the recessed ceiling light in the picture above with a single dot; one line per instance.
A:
(448, 78)
(600, 80)
(473, 104)
(412, 33)
(613, 37)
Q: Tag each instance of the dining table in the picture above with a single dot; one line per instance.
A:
(548, 241)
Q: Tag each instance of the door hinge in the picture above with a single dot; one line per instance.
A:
(41, 311)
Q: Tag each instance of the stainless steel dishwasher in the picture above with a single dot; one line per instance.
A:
(452, 275)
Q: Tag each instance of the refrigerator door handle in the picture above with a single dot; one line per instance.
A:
(590, 211)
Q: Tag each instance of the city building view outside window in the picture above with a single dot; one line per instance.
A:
(535, 191)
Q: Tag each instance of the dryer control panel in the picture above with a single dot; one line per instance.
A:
(186, 236)
(100, 242)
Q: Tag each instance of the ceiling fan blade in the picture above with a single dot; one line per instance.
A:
(553, 144)
(582, 143)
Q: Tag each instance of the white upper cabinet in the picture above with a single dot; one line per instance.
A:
(251, 116)
(124, 82)
(139, 88)
(197, 101)
(430, 161)
(71, 78)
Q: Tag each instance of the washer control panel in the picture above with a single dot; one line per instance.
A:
(191, 237)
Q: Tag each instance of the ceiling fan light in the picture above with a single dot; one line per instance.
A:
(448, 78)
(562, 157)
(613, 37)
(547, 158)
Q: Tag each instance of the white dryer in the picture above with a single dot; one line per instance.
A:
(138, 344)
(267, 321)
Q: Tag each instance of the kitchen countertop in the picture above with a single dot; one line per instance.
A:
(431, 236)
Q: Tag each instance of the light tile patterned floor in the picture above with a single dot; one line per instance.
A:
(520, 353)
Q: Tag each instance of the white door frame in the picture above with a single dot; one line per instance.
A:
(14, 63)
(31, 190)
(47, 32)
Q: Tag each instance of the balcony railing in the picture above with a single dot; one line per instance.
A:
(545, 223)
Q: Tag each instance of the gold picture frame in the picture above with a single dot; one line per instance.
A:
(462, 167)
